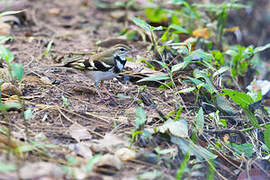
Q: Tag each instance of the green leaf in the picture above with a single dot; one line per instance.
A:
(176, 2)
(267, 136)
(240, 98)
(201, 74)
(187, 146)
(181, 169)
(17, 71)
(156, 15)
(179, 29)
(142, 24)
(200, 121)
(6, 54)
(90, 164)
(3, 39)
(251, 116)
(4, 167)
(65, 101)
(180, 66)
(224, 105)
(261, 48)
(200, 54)
(48, 49)
(28, 114)
(150, 175)
(6, 107)
(186, 90)
(247, 149)
(221, 70)
(155, 78)
(141, 117)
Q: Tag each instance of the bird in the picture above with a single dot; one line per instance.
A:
(102, 66)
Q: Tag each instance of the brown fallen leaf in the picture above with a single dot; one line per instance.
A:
(125, 154)
(78, 132)
(8, 89)
(41, 169)
(4, 29)
(108, 164)
(82, 150)
(110, 143)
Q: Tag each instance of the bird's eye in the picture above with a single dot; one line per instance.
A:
(122, 49)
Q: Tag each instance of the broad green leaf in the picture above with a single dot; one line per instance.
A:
(155, 78)
(142, 24)
(6, 54)
(247, 149)
(141, 117)
(17, 71)
(200, 121)
(187, 146)
(267, 136)
(177, 128)
(224, 105)
(6, 107)
(28, 114)
(240, 98)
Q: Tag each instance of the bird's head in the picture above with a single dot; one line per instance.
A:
(121, 50)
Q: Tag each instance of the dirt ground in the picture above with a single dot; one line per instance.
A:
(74, 27)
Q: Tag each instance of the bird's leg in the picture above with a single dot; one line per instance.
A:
(99, 94)
(107, 92)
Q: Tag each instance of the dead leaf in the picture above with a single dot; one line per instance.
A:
(110, 162)
(110, 143)
(45, 80)
(233, 29)
(82, 150)
(254, 174)
(4, 29)
(125, 154)
(204, 33)
(40, 169)
(4, 75)
(177, 128)
(79, 132)
(54, 11)
(8, 89)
